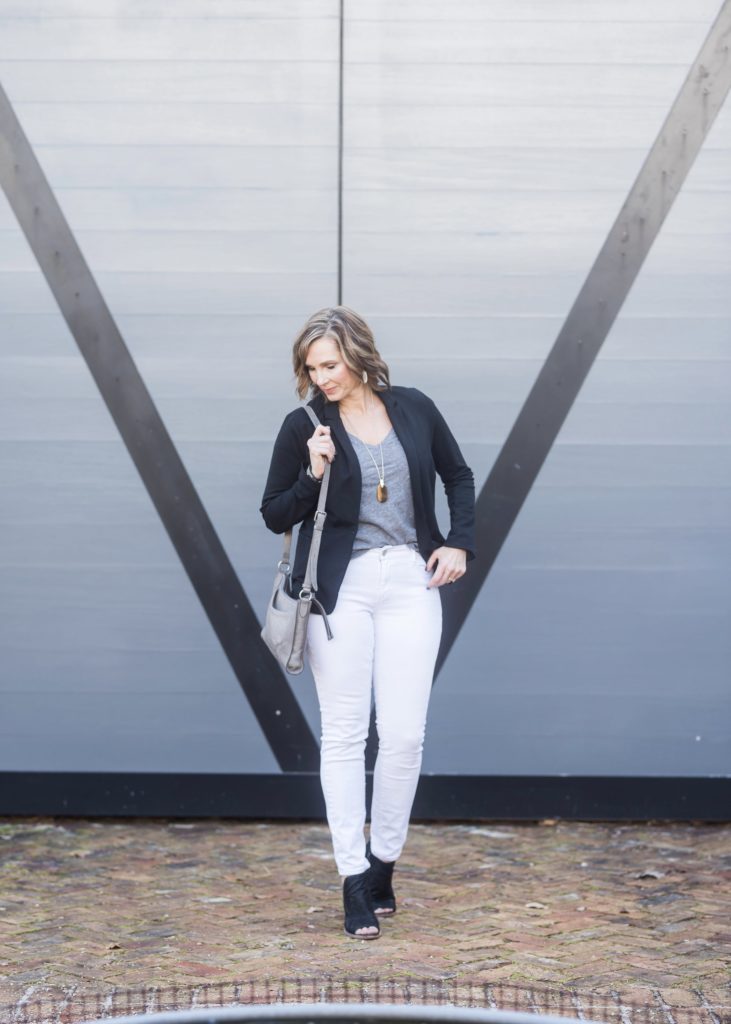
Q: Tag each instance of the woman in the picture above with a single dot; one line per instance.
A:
(382, 560)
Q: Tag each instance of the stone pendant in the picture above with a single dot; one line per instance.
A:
(381, 491)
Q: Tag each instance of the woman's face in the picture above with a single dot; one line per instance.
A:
(328, 372)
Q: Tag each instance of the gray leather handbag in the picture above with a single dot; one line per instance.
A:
(285, 623)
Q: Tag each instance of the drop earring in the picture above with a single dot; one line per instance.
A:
(365, 377)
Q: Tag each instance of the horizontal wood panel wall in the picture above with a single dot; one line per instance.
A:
(486, 157)
(194, 153)
(487, 147)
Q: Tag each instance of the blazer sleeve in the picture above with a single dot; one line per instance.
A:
(459, 485)
(289, 494)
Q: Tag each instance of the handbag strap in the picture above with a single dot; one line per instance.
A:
(310, 580)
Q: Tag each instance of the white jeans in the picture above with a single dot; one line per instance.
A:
(386, 631)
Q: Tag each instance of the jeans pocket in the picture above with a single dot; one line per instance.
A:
(419, 559)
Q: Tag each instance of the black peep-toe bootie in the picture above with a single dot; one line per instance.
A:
(358, 906)
(382, 896)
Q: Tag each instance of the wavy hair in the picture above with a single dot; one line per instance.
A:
(354, 339)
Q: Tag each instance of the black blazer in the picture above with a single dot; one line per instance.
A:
(290, 496)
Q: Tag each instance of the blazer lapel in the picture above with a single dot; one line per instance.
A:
(346, 468)
(403, 431)
(331, 418)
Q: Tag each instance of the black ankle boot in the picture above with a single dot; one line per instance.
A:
(384, 901)
(358, 906)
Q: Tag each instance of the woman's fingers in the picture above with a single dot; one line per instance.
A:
(321, 445)
(444, 573)
(450, 566)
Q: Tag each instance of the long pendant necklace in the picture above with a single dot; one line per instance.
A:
(381, 490)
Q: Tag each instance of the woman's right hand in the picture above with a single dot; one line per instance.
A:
(322, 450)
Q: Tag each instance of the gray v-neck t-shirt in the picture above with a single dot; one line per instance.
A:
(384, 522)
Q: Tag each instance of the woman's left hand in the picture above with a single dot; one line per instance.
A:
(452, 565)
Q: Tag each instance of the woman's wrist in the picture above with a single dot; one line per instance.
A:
(313, 476)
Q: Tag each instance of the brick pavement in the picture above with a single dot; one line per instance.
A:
(88, 906)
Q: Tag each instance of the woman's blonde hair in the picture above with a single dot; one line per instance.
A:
(354, 339)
